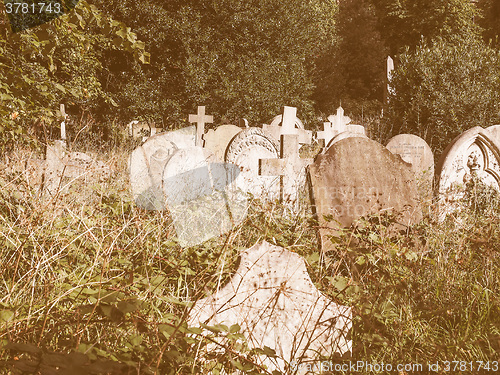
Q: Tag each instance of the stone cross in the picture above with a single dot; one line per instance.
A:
(337, 124)
(288, 126)
(327, 133)
(200, 120)
(289, 167)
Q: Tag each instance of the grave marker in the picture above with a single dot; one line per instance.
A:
(290, 167)
(201, 119)
(290, 124)
(273, 299)
(218, 140)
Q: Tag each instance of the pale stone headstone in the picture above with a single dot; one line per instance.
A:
(474, 153)
(341, 136)
(357, 177)
(290, 167)
(416, 151)
(200, 195)
(272, 298)
(147, 162)
(63, 123)
(217, 140)
(336, 125)
(201, 119)
(290, 124)
(389, 70)
(245, 150)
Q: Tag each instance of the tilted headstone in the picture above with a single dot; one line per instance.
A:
(343, 135)
(200, 195)
(290, 124)
(201, 119)
(416, 151)
(473, 154)
(357, 177)
(217, 140)
(290, 167)
(245, 151)
(147, 162)
(272, 298)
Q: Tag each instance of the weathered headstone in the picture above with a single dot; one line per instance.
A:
(341, 136)
(290, 124)
(147, 162)
(245, 151)
(357, 177)
(473, 154)
(290, 167)
(201, 119)
(416, 151)
(217, 140)
(272, 298)
(200, 195)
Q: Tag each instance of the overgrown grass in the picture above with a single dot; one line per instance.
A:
(87, 272)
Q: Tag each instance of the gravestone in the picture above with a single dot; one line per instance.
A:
(217, 140)
(245, 151)
(201, 119)
(290, 124)
(146, 164)
(343, 135)
(62, 168)
(336, 125)
(200, 195)
(290, 167)
(273, 299)
(416, 151)
(473, 154)
(357, 177)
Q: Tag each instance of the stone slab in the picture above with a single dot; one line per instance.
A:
(357, 177)
(218, 140)
(273, 299)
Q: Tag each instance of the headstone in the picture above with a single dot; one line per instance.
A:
(416, 151)
(290, 167)
(201, 119)
(63, 167)
(218, 140)
(290, 124)
(357, 177)
(245, 151)
(147, 162)
(200, 195)
(474, 153)
(389, 70)
(341, 136)
(272, 298)
(338, 124)
(63, 123)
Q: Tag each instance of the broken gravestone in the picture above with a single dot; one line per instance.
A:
(147, 162)
(62, 168)
(272, 298)
(416, 151)
(200, 195)
(246, 150)
(475, 154)
(357, 177)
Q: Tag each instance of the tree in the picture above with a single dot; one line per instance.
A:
(240, 58)
(56, 62)
(353, 71)
(445, 87)
(404, 23)
(490, 20)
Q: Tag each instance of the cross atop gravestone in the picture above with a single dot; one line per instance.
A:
(289, 167)
(200, 120)
(336, 125)
(288, 121)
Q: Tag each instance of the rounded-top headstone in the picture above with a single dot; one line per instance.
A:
(217, 140)
(245, 150)
(341, 136)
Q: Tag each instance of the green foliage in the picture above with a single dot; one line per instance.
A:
(490, 20)
(353, 70)
(57, 62)
(445, 87)
(240, 58)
